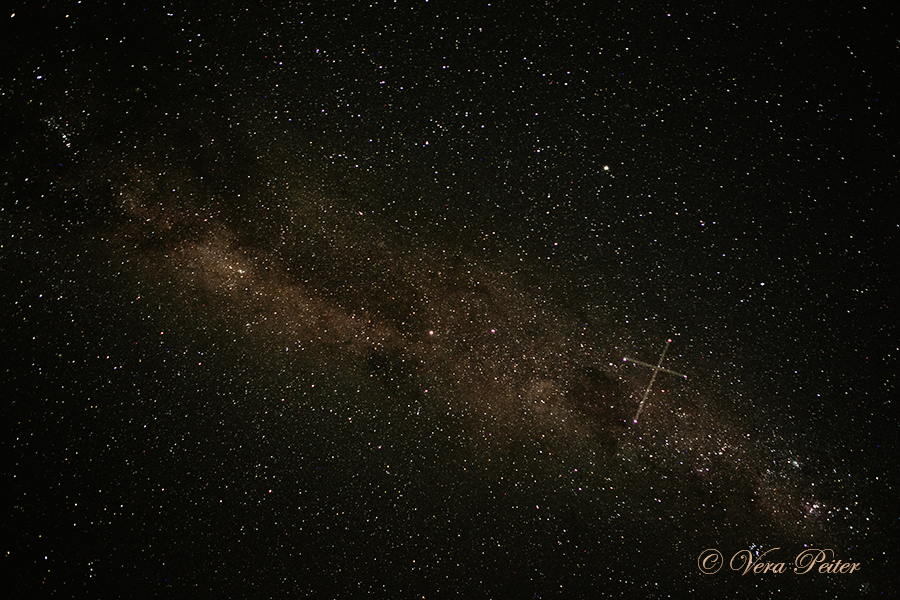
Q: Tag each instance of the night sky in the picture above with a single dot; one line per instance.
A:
(331, 299)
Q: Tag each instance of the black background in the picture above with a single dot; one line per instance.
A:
(331, 299)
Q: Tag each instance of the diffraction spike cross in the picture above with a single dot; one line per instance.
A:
(656, 369)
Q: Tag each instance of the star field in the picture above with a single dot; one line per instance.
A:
(333, 300)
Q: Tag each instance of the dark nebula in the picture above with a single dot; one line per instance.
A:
(326, 300)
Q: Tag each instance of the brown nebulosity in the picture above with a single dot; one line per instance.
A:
(506, 367)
